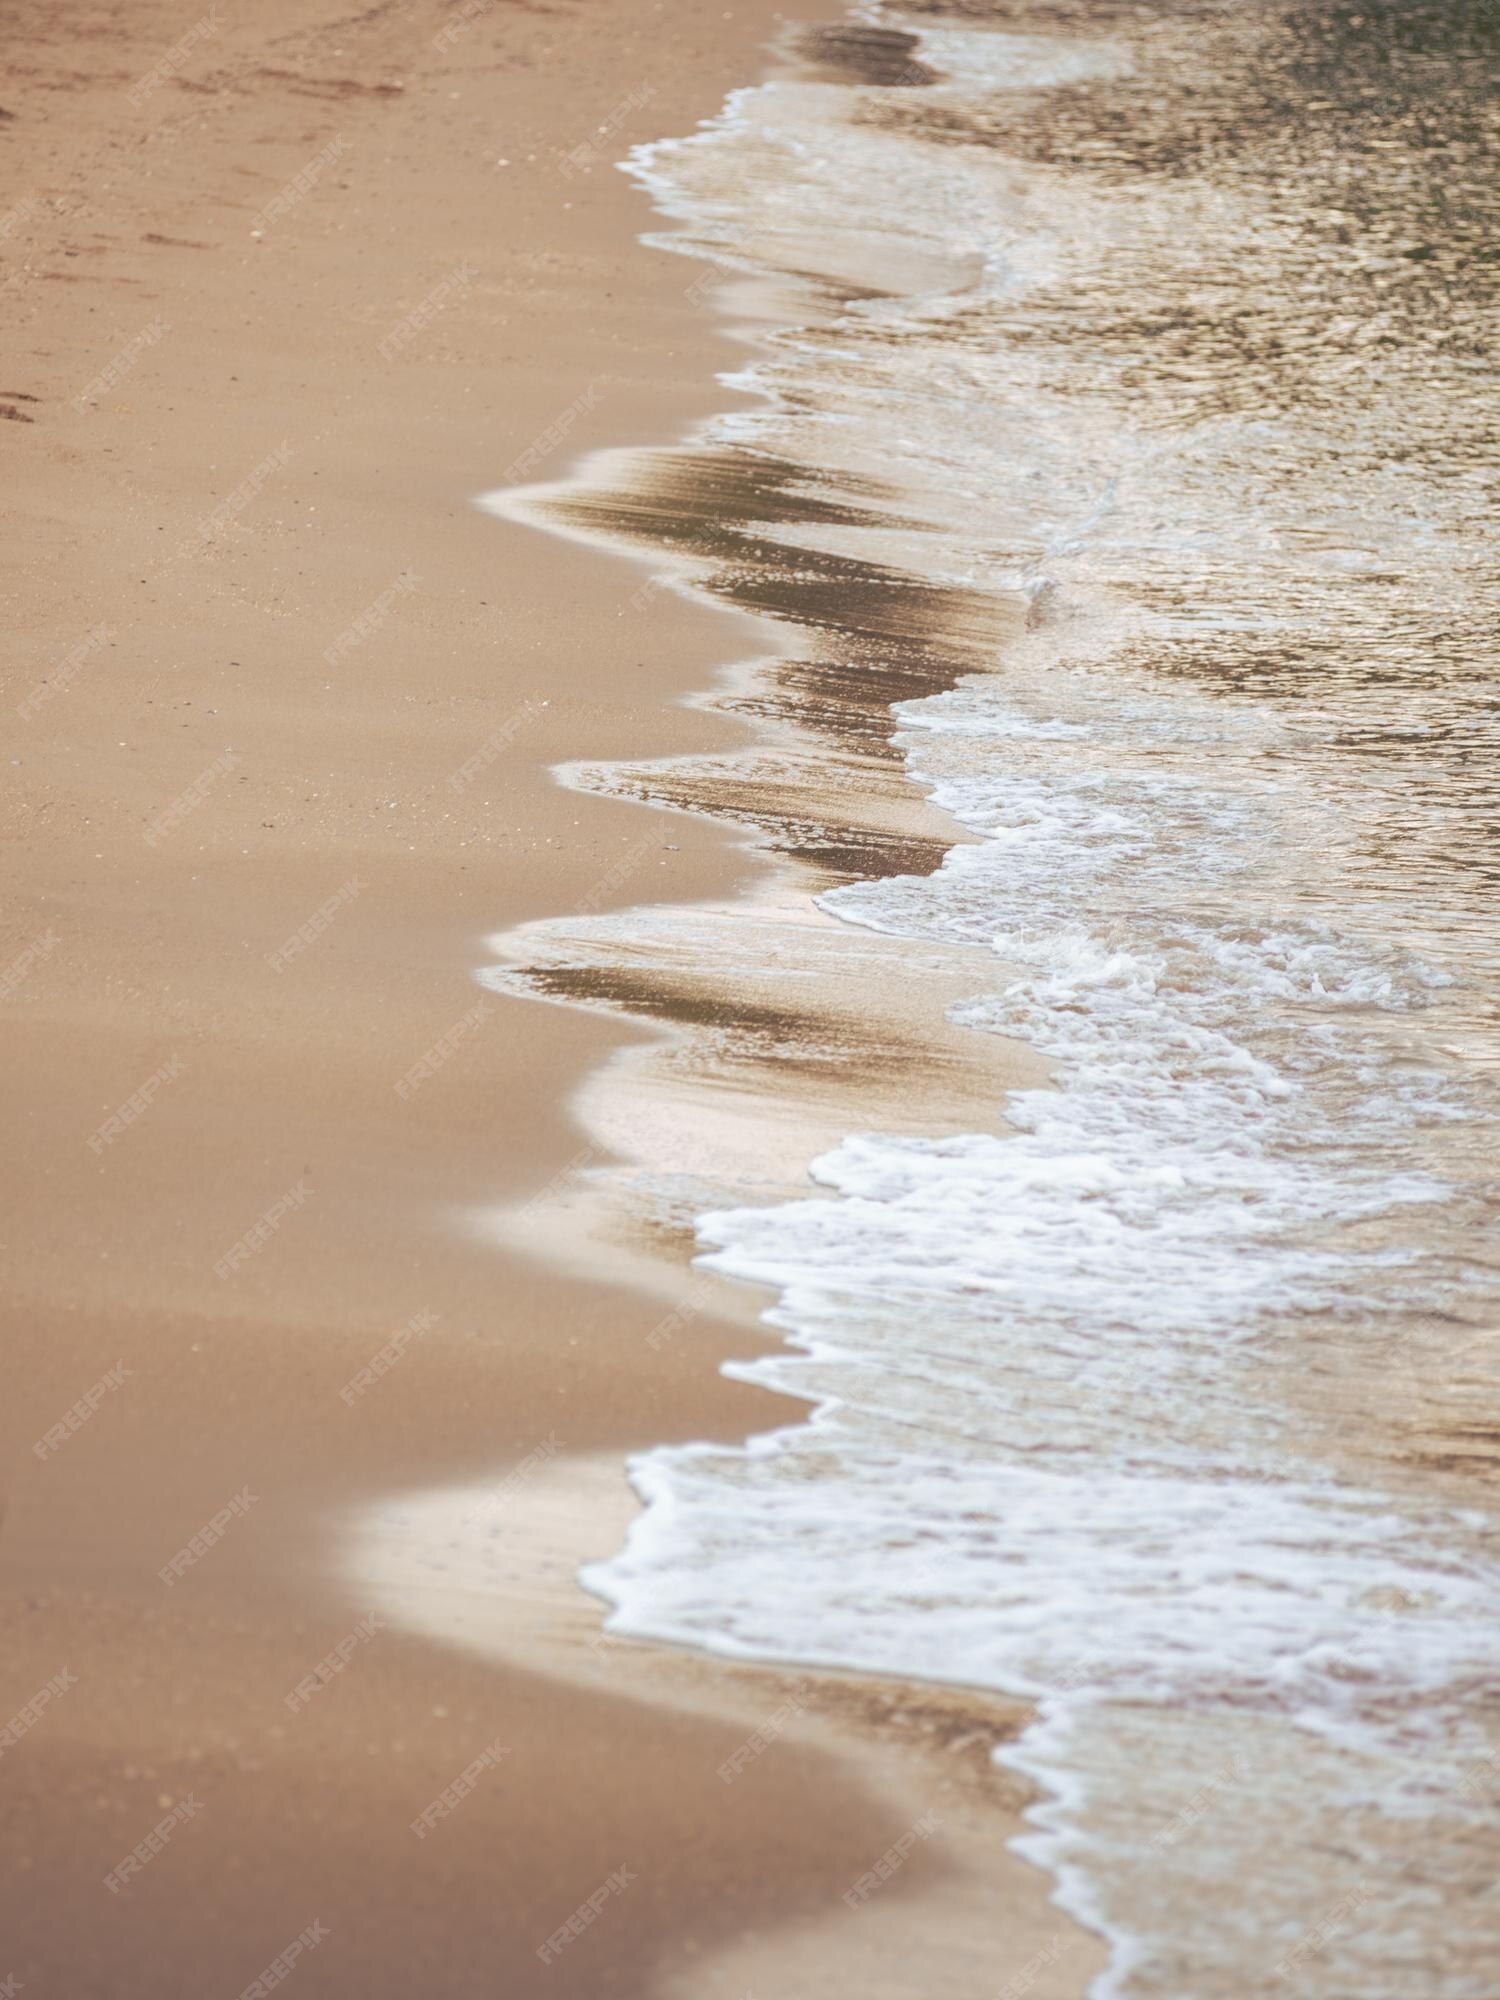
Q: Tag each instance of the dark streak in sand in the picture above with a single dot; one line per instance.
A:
(870, 635)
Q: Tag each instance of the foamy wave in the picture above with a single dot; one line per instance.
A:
(1138, 1407)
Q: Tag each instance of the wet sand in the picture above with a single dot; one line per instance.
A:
(284, 294)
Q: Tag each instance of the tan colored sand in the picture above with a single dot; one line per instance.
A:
(160, 357)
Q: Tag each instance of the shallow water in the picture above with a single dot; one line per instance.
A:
(1176, 1406)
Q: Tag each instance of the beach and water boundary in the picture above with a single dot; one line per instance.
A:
(284, 1349)
(299, 658)
(1228, 1286)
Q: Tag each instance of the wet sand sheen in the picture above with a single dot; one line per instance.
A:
(784, 1029)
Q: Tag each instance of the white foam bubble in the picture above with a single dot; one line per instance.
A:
(1101, 1407)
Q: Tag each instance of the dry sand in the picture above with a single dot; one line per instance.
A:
(227, 448)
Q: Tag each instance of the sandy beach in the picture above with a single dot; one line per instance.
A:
(286, 294)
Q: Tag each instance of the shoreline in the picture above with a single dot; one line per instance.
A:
(350, 702)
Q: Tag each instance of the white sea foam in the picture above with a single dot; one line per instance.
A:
(1137, 1408)
(1051, 1453)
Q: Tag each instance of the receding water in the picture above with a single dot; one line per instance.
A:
(1177, 1405)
